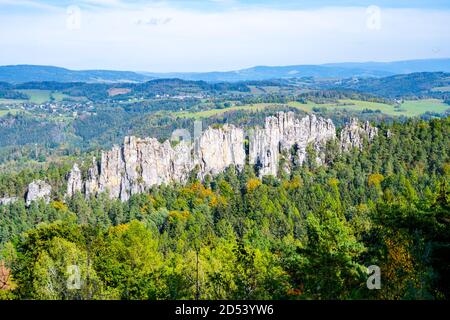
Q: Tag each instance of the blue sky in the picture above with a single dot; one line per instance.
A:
(208, 35)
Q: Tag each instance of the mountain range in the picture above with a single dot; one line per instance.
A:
(27, 73)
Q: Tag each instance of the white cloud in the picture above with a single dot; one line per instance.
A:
(170, 39)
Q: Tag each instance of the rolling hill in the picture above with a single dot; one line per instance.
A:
(28, 73)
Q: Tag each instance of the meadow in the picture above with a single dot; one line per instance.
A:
(409, 108)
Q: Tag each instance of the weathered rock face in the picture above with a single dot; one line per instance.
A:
(74, 183)
(138, 165)
(217, 149)
(283, 132)
(8, 200)
(354, 133)
(38, 190)
(91, 184)
(147, 162)
(142, 163)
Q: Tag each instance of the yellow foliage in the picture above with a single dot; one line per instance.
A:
(218, 201)
(151, 199)
(295, 183)
(176, 215)
(447, 169)
(198, 190)
(375, 179)
(144, 209)
(400, 269)
(58, 205)
(333, 182)
(362, 207)
(121, 228)
(252, 184)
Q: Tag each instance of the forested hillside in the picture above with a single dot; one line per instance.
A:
(309, 234)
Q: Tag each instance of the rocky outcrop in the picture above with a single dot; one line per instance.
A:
(285, 134)
(74, 182)
(354, 133)
(8, 200)
(140, 164)
(38, 190)
(217, 149)
(91, 183)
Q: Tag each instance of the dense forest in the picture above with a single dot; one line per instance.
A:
(307, 234)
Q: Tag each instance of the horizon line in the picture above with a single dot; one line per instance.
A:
(216, 71)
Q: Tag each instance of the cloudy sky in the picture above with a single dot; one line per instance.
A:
(209, 35)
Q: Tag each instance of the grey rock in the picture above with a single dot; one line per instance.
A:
(91, 183)
(38, 190)
(354, 133)
(217, 149)
(140, 164)
(74, 183)
(283, 132)
(8, 200)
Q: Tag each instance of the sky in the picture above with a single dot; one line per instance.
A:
(219, 35)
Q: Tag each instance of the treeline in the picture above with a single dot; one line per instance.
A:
(307, 234)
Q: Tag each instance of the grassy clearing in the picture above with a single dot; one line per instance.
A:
(37, 96)
(214, 112)
(418, 107)
(408, 108)
(5, 112)
(42, 96)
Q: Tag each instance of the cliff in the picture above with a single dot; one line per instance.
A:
(283, 132)
(142, 163)
(353, 134)
(38, 190)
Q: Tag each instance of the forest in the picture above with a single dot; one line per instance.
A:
(307, 234)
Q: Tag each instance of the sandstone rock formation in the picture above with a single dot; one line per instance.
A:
(7, 200)
(216, 149)
(74, 183)
(142, 163)
(283, 132)
(38, 190)
(354, 133)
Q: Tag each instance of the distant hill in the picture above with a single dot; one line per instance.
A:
(28, 73)
(335, 70)
(268, 73)
(399, 67)
(400, 85)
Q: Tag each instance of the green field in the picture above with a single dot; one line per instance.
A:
(418, 107)
(5, 112)
(213, 112)
(408, 108)
(37, 96)
(42, 96)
